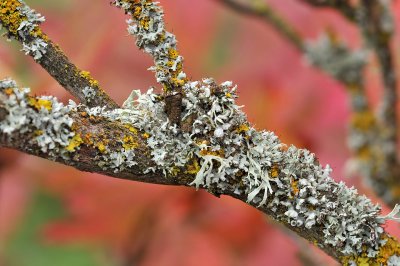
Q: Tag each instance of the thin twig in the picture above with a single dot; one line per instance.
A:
(343, 6)
(266, 13)
(22, 24)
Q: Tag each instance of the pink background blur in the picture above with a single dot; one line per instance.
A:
(54, 215)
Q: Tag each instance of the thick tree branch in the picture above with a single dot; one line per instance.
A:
(288, 184)
(22, 24)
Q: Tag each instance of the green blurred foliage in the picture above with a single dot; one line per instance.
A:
(28, 246)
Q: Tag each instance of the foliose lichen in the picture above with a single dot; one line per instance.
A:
(22, 23)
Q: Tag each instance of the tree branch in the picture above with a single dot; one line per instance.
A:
(22, 24)
(343, 6)
(377, 26)
(288, 184)
(268, 15)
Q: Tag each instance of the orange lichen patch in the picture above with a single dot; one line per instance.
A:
(87, 139)
(40, 103)
(363, 120)
(228, 94)
(9, 91)
(193, 168)
(129, 143)
(146, 135)
(74, 143)
(390, 248)
(86, 75)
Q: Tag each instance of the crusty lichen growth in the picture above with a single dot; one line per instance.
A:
(147, 25)
(22, 23)
(44, 117)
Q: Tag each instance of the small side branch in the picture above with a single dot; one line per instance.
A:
(343, 6)
(267, 14)
(22, 24)
(147, 25)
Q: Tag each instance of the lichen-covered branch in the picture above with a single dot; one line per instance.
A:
(147, 25)
(375, 20)
(217, 150)
(22, 24)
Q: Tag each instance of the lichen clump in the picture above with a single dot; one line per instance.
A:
(22, 23)
(45, 117)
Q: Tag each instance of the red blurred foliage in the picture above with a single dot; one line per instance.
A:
(153, 225)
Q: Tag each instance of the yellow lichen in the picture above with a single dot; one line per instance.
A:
(274, 172)
(363, 120)
(10, 16)
(294, 185)
(175, 171)
(193, 168)
(131, 128)
(38, 132)
(86, 75)
(74, 143)
(101, 147)
(129, 143)
(242, 128)
(40, 103)
(173, 53)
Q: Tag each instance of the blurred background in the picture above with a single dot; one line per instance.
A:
(54, 215)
